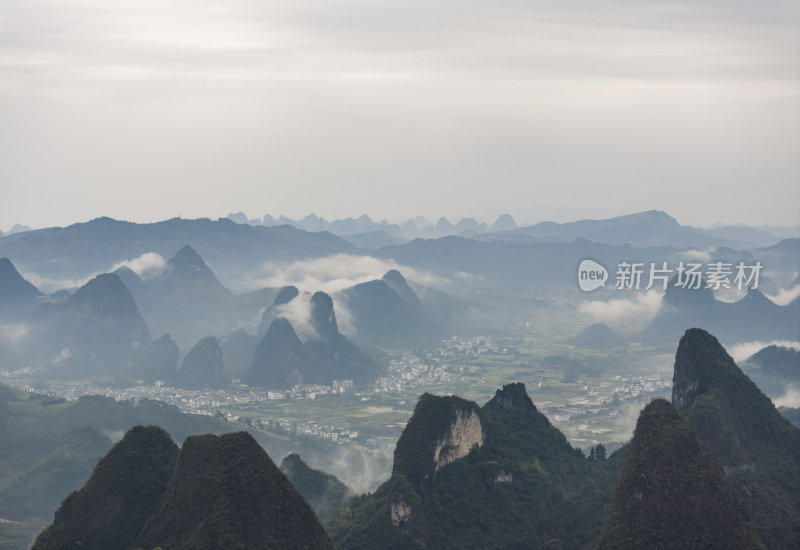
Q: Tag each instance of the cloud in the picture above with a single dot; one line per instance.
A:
(334, 273)
(434, 98)
(360, 469)
(298, 313)
(699, 255)
(622, 313)
(13, 333)
(740, 352)
(785, 295)
(790, 398)
(146, 266)
(344, 319)
(49, 285)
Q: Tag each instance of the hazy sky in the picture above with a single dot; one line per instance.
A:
(145, 110)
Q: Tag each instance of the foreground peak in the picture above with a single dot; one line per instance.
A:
(514, 396)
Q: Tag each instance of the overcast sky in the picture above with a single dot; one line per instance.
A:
(146, 110)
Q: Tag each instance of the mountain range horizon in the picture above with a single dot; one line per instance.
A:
(442, 225)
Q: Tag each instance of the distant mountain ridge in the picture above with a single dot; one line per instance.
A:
(97, 245)
(387, 312)
(731, 321)
(96, 330)
(642, 229)
(187, 300)
(15, 291)
(359, 229)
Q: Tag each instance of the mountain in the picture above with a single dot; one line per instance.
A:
(202, 367)
(331, 355)
(373, 239)
(18, 228)
(792, 414)
(237, 351)
(80, 249)
(126, 486)
(187, 300)
(497, 476)
(598, 335)
(754, 317)
(324, 493)
(443, 226)
(159, 363)
(773, 367)
(40, 489)
(750, 237)
(188, 272)
(512, 266)
(758, 448)
(504, 223)
(226, 493)
(15, 292)
(284, 296)
(398, 283)
(279, 359)
(470, 226)
(643, 229)
(673, 492)
(98, 330)
(387, 312)
(40, 465)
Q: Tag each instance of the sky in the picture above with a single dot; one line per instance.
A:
(146, 110)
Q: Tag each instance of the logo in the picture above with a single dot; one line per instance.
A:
(591, 275)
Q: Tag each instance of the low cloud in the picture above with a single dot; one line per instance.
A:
(790, 398)
(785, 295)
(343, 316)
(623, 313)
(13, 333)
(146, 266)
(334, 273)
(298, 313)
(740, 352)
(697, 255)
(49, 285)
(361, 470)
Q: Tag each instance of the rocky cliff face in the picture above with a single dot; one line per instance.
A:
(441, 431)
(464, 435)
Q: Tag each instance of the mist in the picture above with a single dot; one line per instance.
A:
(741, 352)
(790, 398)
(146, 266)
(624, 314)
(332, 274)
(785, 295)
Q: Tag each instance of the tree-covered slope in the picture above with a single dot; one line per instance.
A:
(759, 449)
(227, 493)
(673, 493)
(124, 489)
(323, 492)
(497, 476)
